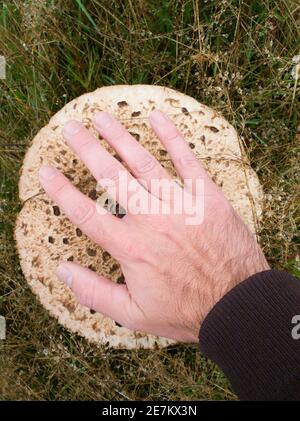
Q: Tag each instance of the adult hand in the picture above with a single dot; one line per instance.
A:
(174, 272)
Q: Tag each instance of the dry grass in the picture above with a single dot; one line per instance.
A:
(233, 55)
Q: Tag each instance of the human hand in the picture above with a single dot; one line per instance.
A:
(174, 272)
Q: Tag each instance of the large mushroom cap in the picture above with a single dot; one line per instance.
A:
(46, 237)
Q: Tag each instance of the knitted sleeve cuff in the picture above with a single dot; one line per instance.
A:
(250, 334)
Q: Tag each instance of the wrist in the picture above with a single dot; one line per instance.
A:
(245, 268)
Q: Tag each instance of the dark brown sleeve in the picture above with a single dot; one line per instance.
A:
(249, 333)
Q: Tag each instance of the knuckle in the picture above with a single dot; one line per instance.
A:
(86, 142)
(109, 174)
(131, 249)
(222, 208)
(145, 165)
(188, 160)
(116, 132)
(129, 322)
(60, 190)
(86, 294)
(81, 213)
(173, 135)
(131, 319)
(97, 234)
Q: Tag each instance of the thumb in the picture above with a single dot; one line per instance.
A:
(97, 292)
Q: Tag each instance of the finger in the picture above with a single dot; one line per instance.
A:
(141, 163)
(105, 168)
(185, 161)
(100, 225)
(96, 292)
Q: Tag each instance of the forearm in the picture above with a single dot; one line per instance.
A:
(248, 334)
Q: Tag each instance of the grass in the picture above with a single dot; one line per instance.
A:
(233, 55)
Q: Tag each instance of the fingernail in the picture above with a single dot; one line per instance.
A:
(71, 128)
(102, 119)
(158, 117)
(47, 172)
(64, 275)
